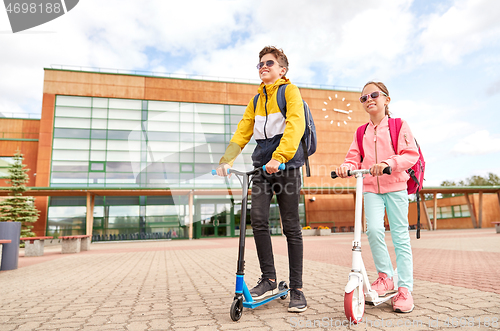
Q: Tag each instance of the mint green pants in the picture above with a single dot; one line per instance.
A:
(396, 205)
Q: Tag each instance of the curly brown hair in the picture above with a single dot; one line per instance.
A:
(382, 88)
(278, 53)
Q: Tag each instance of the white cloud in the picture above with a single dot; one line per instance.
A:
(478, 143)
(464, 28)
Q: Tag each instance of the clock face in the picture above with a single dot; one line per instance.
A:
(337, 115)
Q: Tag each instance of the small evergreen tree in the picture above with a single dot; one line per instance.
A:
(19, 208)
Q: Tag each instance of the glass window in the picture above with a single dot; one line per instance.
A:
(446, 212)
(71, 143)
(186, 157)
(62, 100)
(99, 123)
(163, 105)
(66, 166)
(69, 177)
(98, 134)
(465, 211)
(124, 145)
(65, 122)
(166, 116)
(186, 167)
(96, 178)
(97, 166)
(125, 104)
(163, 126)
(124, 125)
(208, 108)
(98, 144)
(72, 112)
(203, 158)
(100, 102)
(124, 156)
(70, 155)
(98, 155)
(211, 118)
(5, 163)
(99, 113)
(159, 146)
(71, 133)
(123, 114)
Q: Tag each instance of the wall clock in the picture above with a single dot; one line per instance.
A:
(337, 115)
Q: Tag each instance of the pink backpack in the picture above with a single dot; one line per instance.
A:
(416, 172)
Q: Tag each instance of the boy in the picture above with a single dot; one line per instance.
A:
(278, 140)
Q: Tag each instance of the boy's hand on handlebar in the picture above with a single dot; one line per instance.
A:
(272, 166)
(222, 170)
(377, 169)
(342, 172)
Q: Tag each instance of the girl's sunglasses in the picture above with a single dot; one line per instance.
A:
(373, 95)
(269, 63)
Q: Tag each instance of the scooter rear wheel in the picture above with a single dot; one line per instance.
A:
(283, 286)
(353, 307)
(236, 309)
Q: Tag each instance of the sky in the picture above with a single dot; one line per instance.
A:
(440, 59)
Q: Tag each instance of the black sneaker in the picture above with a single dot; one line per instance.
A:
(298, 301)
(264, 288)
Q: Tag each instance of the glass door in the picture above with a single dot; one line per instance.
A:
(215, 218)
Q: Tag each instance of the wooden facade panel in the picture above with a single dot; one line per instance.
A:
(113, 91)
(184, 84)
(185, 96)
(41, 203)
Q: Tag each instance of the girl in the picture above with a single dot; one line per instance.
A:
(385, 193)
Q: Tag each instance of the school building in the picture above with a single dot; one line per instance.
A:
(129, 156)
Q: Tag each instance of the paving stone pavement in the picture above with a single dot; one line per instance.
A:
(189, 285)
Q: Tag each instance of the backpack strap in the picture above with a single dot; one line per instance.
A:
(255, 99)
(360, 132)
(280, 97)
(394, 129)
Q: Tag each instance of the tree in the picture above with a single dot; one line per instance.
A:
(19, 208)
(490, 180)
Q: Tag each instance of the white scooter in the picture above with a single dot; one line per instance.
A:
(358, 289)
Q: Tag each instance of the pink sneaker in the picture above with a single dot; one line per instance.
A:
(403, 301)
(383, 285)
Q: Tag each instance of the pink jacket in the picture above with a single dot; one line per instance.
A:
(378, 148)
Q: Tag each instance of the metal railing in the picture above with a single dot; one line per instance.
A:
(193, 76)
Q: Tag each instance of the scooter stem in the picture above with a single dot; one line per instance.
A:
(358, 210)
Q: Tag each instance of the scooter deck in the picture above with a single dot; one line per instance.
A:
(381, 300)
(253, 304)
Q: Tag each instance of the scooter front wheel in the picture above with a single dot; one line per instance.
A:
(236, 309)
(354, 307)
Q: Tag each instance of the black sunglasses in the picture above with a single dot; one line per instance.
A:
(268, 63)
(373, 95)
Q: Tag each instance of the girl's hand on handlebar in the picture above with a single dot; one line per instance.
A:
(222, 170)
(377, 169)
(342, 172)
(272, 166)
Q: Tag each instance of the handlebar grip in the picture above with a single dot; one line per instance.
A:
(387, 171)
(281, 167)
(334, 174)
(214, 172)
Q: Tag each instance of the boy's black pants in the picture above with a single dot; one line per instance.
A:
(286, 185)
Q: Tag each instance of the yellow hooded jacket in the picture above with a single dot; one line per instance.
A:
(277, 137)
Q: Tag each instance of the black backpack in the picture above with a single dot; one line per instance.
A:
(309, 140)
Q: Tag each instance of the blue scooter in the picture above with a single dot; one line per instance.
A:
(242, 296)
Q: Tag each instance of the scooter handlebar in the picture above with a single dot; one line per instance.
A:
(281, 167)
(386, 171)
